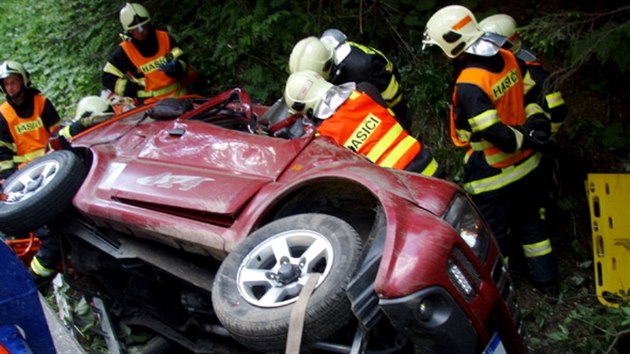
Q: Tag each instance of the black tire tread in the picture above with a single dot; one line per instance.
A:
(50, 202)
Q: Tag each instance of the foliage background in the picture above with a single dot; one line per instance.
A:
(65, 44)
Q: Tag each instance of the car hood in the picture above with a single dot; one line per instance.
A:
(187, 165)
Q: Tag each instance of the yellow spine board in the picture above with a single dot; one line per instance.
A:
(609, 205)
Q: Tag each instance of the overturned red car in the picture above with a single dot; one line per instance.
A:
(206, 221)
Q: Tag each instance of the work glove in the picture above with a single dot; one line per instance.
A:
(539, 140)
(91, 120)
(172, 68)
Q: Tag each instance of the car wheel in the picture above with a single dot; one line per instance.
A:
(259, 282)
(39, 192)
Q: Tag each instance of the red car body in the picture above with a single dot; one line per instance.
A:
(201, 189)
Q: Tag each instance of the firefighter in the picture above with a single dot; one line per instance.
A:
(357, 117)
(550, 99)
(502, 137)
(28, 119)
(148, 65)
(351, 62)
(91, 110)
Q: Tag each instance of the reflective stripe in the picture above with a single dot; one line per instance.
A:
(39, 269)
(537, 249)
(520, 137)
(484, 120)
(384, 143)
(554, 99)
(65, 131)
(395, 101)
(399, 151)
(505, 177)
(467, 156)
(480, 145)
(528, 82)
(498, 158)
(369, 50)
(162, 91)
(10, 146)
(120, 86)
(391, 89)
(111, 69)
(6, 165)
(392, 94)
(30, 156)
(495, 157)
(555, 127)
(463, 135)
(176, 52)
(431, 168)
(534, 108)
(144, 94)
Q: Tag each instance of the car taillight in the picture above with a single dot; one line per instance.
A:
(464, 217)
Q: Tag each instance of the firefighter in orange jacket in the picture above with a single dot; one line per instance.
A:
(550, 98)
(148, 65)
(27, 120)
(503, 134)
(356, 116)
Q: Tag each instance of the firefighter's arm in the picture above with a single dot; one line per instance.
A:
(7, 150)
(116, 75)
(177, 63)
(484, 119)
(51, 118)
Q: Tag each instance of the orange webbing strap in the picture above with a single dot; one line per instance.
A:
(296, 321)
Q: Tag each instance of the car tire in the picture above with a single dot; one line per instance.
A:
(255, 309)
(46, 187)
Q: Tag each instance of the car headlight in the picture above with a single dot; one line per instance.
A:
(464, 217)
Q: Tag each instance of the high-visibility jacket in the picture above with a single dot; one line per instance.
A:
(30, 134)
(157, 84)
(364, 126)
(506, 90)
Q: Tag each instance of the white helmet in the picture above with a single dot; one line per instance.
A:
(90, 106)
(10, 67)
(304, 91)
(333, 37)
(311, 54)
(452, 28)
(134, 15)
(504, 25)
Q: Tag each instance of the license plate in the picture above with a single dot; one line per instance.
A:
(495, 346)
